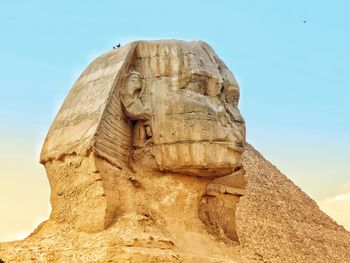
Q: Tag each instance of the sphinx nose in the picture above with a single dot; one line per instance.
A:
(234, 113)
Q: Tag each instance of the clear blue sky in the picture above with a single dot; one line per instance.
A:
(294, 76)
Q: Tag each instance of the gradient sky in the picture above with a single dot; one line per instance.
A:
(294, 79)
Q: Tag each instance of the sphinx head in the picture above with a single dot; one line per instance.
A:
(165, 106)
(159, 105)
(182, 102)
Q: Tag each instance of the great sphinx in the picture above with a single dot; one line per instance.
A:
(144, 160)
(142, 141)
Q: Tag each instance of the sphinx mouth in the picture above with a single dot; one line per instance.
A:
(208, 171)
(204, 158)
(236, 146)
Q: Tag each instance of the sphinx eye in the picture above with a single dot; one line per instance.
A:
(213, 87)
(197, 84)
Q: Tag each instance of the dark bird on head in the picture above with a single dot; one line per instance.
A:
(118, 46)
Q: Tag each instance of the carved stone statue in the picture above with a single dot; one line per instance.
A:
(137, 146)
(144, 161)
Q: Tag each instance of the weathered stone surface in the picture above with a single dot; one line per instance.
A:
(144, 161)
(278, 222)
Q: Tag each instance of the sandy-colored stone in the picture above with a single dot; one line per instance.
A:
(278, 222)
(144, 161)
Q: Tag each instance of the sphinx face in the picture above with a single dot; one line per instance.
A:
(191, 99)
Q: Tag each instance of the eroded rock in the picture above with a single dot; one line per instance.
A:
(144, 161)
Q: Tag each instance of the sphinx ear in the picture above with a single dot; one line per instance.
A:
(132, 95)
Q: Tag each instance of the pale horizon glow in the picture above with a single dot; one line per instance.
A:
(294, 79)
